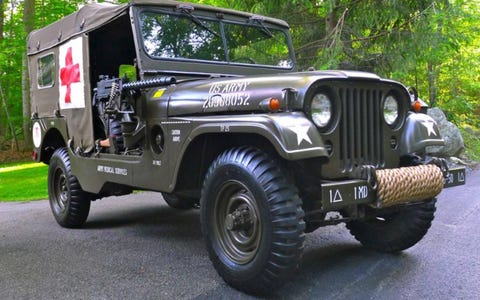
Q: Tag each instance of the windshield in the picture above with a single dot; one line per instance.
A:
(189, 37)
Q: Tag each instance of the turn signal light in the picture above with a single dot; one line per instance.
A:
(274, 104)
(417, 106)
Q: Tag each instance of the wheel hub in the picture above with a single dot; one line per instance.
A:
(239, 219)
(237, 222)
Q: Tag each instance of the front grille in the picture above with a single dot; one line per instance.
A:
(360, 128)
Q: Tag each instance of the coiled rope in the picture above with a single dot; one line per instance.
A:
(408, 184)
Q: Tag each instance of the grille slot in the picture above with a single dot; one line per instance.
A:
(361, 128)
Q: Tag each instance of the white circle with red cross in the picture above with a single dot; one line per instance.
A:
(37, 134)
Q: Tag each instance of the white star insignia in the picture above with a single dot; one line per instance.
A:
(429, 125)
(302, 133)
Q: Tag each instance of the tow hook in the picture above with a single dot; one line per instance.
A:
(368, 173)
(441, 163)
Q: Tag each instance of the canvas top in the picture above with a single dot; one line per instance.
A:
(94, 15)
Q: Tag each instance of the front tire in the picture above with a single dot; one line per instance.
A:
(252, 220)
(69, 203)
(394, 231)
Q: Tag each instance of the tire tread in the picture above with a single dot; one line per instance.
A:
(287, 220)
(407, 229)
(78, 206)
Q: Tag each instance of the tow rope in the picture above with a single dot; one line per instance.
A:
(408, 184)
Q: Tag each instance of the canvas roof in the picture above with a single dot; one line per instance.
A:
(92, 16)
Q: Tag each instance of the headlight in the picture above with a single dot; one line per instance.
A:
(321, 110)
(390, 110)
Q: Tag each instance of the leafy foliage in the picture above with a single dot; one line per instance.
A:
(173, 36)
(432, 44)
(12, 49)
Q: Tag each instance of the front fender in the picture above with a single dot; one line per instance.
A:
(420, 131)
(292, 134)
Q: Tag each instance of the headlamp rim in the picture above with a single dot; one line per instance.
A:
(397, 102)
(331, 109)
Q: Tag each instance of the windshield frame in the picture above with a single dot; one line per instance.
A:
(221, 19)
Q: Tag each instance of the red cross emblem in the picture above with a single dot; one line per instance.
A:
(69, 74)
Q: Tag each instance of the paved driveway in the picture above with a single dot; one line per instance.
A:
(136, 247)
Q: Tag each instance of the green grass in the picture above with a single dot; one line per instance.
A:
(472, 144)
(28, 181)
(23, 181)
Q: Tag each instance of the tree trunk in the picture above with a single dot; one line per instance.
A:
(10, 123)
(28, 25)
(2, 18)
(434, 64)
(331, 28)
(432, 81)
(335, 44)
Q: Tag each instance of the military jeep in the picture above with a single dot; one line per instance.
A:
(206, 106)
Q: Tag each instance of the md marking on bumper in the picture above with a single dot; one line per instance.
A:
(339, 194)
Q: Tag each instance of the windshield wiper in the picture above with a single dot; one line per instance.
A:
(259, 20)
(186, 10)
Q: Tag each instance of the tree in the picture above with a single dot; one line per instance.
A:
(432, 44)
(20, 17)
(2, 17)
(10, 57)
(28, 25)
(9, 120)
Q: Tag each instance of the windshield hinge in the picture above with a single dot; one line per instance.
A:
(257, 18)
(186, 7)
(187, 11)
(260, 21)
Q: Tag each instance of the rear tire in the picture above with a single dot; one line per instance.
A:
(69, 203)
(252, 221)
(395, 231)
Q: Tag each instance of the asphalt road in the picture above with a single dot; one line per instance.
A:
(136, 247)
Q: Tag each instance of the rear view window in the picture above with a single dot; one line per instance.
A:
(46, 71)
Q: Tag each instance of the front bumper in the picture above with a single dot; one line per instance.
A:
(336, 195)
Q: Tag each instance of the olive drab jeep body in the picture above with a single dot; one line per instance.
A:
(206, 106)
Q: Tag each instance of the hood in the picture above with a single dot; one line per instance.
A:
(247, 93)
